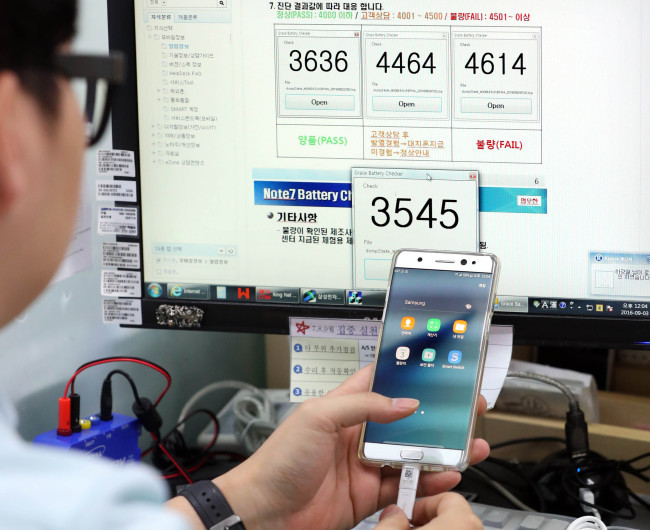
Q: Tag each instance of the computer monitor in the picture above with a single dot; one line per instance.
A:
(284, 150)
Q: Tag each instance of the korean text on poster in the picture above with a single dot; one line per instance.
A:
(325, 352)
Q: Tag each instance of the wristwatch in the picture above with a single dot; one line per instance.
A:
(212, 507)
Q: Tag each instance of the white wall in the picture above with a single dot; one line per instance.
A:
(63, 329)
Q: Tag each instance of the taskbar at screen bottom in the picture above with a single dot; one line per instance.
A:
(265, 295)
(376, 298)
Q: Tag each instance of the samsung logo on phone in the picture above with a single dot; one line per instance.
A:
(415, 302)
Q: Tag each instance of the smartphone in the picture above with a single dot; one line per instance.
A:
(432, 347)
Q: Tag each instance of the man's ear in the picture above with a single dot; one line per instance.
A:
(13, 171)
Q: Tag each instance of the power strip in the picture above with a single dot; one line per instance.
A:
(228, 439)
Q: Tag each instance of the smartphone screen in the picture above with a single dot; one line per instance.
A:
(430, 350)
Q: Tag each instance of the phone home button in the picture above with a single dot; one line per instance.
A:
(410, 454)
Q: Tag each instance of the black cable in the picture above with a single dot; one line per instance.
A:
(177, 465)
(174, 429)
(180, 445)
(636, 458)
(567, 489)
(575, 427)
(212, 415)
(635, 472)
(638, 499)
(136, 396)
(527, 440)
(577, 450)
(514, 469)
(499, 488)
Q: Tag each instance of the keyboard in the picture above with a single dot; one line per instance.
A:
(503, 519)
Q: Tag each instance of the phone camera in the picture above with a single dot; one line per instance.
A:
(473, 263)
(463, 262)
(419, 259)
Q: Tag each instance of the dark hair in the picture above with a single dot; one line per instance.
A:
(30, 33)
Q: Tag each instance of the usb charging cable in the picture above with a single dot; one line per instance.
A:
(408, 485)
(588, 522)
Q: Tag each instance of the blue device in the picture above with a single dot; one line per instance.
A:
(116, 439)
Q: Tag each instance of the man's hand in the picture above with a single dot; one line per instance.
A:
(308, 473)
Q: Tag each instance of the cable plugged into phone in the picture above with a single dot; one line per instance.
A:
(408, 486)
(576, 432)
(575, 428)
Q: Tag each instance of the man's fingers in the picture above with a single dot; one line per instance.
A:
(360, 382)
(444, 511)
(450, 510)
(482, 405)
(479, 451)
(353, 409)
(392, 518)
(435, 483)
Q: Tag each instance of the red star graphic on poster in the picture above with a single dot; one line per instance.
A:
(301, 327)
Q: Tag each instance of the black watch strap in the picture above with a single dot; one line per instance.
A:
(212, 507)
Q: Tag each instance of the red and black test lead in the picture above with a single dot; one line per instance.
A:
(106, 360)
(66, 409)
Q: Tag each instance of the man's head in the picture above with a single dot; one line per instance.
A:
(31, 33)
(41, 147)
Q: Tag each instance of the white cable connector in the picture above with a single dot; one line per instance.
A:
(588, 522)
(408, 485)
(588, 496)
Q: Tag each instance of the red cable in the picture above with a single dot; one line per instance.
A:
(173, 461)
(205, 459)
(215, 434)
(196, 466)
(70, 384)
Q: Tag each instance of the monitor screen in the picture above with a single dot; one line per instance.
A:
(285, 150)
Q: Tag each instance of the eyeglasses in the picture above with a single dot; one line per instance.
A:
(94, 79)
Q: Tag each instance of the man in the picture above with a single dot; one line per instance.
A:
(306, 476)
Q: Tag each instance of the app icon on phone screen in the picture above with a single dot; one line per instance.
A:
(455, 357)
(433, 325)
(428, 355)
(460, 326)
(408, 323)
(402, 353)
